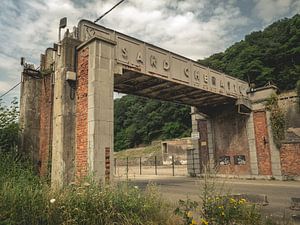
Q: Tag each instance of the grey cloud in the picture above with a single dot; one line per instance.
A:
(194, 28)
(269, 10)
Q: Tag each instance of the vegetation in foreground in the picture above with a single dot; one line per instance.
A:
(27, 199)
(215, 208)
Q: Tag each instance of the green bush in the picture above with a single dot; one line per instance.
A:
(9, 127)
(26, 199)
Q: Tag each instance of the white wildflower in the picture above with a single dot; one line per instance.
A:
(52, 200)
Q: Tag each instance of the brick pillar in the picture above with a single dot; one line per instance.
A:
(82, 113)
(262, 143)
(45, 125)
(94, 123)
(268, 155)
(46, 110)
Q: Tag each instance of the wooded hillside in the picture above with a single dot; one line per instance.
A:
(269, 55)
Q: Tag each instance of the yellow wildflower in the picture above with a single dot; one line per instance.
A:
(222, 213)
(194, 222)
(204, 222)
(232, 200)
(190, 214)
(242, 201)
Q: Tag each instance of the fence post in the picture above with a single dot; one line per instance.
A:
(193, 161)
(127, 167)
(173, 165)
(140, 165)
(115, 166)
(155, 164)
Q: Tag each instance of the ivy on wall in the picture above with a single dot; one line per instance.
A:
(277, 119)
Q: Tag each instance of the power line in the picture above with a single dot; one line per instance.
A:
(10, 89)
(99, 18)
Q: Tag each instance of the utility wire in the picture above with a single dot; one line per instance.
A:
(99, 18)
(10, 89)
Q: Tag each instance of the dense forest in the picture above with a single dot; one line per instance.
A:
(139, 121)
(269, 55)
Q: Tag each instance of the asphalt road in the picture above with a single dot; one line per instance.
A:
(279, 193)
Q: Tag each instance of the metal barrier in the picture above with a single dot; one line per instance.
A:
(154, 165)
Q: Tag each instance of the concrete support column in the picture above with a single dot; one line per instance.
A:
(194, 157)
(46, 109)
(30, 118)
(197, 161)
(211, 148)
(252, 145)
(100, 110)
(63, 142)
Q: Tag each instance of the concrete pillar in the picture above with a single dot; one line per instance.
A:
(211, 148)
(196, 145)
(252, 145)
(100, 109)
(29, 119)
(194, 157)
(63, 143)
(46, 109)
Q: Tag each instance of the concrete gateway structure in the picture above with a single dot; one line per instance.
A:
(67, 107)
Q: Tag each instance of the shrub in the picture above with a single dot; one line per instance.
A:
(9, 127)
(217, 209)
(26, 199)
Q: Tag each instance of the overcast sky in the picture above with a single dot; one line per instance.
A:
(193, 28)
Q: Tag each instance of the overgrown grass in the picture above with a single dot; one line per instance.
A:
(27, 199)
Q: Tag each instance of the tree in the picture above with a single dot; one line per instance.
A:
(269, 55)
(139, 121)
(9, 127)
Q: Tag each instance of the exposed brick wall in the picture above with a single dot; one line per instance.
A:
(290, 159)
(45, 125)
(262, 144)
(82, 114)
